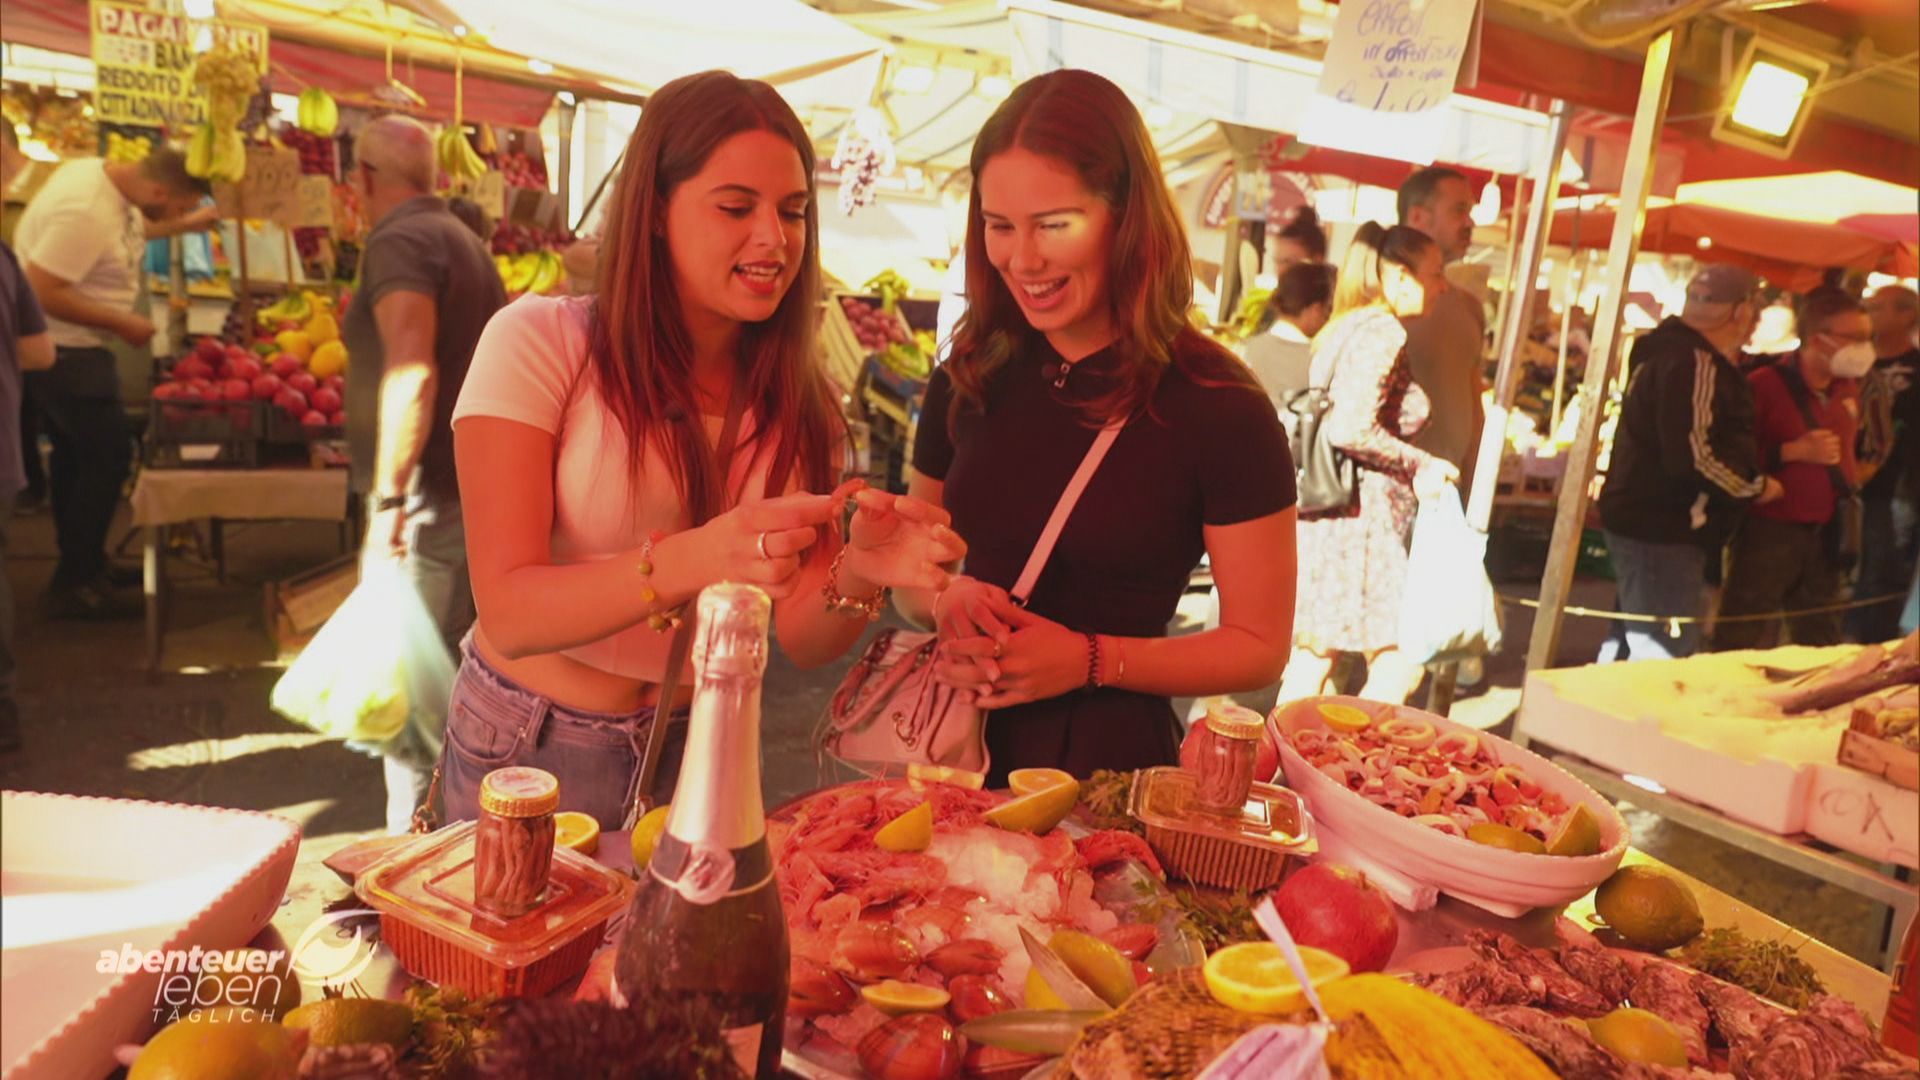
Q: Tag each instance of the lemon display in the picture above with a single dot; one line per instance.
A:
(1038, 811)
(896, 998)
(911, 831)
(646, 833)
(1649, 908)
(1578, 834)
(350, 1021)
(1640, 1036)
(1505, 836)
(573, 829)
(218, 1050)
(1254, 977)
(1105, 969)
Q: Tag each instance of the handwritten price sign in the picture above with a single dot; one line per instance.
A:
(1396, 55)
(270, 190)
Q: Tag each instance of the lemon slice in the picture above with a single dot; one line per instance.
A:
(576, 830)
(1578, 834)
(646, 833)
(1345, 718)
(1028, 781)
(911, 831)
(1504, 836)
(919, 776)
(896, 998)
(1254, 977)
(1037, 812)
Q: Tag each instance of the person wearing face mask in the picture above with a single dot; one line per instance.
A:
(1079, 276)
(1685, 462)
(602, 490)
(1353, 562)
(1782, 559)
(80, 242)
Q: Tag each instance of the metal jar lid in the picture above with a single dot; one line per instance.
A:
(519, 792)
(1235, 722)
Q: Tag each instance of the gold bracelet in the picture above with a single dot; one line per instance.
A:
(660, 621)
(871, 607)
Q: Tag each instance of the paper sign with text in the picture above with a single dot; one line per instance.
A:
(1389, 62)
(316, 203)
(270, 191)
(143, 63)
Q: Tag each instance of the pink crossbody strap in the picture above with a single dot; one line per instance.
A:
(1049, 536)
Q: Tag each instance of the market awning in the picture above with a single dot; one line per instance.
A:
(814, 58)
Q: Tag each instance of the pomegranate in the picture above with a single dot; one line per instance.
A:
(192, 367)
(237, 390)
(210, 350)
(336, 418)
(302, 381)
(314, 419)
(327, 401)
(1336, 908)
(245, 367)
(285, 365)
(265, 387)
(291, 401)
(335, 383)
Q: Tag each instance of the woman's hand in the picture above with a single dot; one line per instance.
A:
(1432, 479)
(971, 636)
(898, 542)
(1042, 659)
(764, 543)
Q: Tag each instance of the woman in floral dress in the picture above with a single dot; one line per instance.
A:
(1353, 562)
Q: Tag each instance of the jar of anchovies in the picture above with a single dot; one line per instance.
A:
(513, 843)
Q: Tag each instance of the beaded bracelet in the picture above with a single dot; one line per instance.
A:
(660, 621)
(871, 607)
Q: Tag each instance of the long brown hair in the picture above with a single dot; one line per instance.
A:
(1087, 123)
(1374, 245)
(642, 353)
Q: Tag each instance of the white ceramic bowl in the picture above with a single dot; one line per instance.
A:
(1476, 873)
(83, 876)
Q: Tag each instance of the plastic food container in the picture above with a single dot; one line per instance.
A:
(428, 917)
(1248, 852)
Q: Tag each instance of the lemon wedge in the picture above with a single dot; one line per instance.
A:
(1038, 811)
(1028, 781)
(1577, 835)
(576, 830)
(911, 831)
(646, 833)
(1253, 977)
(1345, 718)
(896, 998)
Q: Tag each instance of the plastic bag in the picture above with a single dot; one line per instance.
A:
(1448, 610)
(377, 662)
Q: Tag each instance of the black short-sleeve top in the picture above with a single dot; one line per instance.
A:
(1209, 451)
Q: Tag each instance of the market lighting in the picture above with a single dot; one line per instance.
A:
(1770, 99)
(1487, 210)
(913, 79)
(539, 66)
(1645, 783)
(993, 87)
(198, 9)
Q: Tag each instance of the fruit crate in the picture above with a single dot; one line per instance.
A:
(841, 343)
(284, 430)
(183, 433)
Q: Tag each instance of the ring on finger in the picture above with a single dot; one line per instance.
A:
(999, 648)
(760, 542)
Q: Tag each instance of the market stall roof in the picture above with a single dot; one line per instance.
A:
(814, 58)
(1787, 228)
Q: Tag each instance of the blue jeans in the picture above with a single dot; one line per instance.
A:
(1889, 546)
(495, 722)
(1667, 580)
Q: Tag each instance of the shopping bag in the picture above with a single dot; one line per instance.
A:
(377, 662)
(1448, 610)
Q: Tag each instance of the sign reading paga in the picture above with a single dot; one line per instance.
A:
(143, 63)
(1389, 63)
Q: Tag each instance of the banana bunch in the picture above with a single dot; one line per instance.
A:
(229, 78)
(217, 155)
(128, 147)
(538, 272)
(293, 307)
(319, 114)
(456, 155)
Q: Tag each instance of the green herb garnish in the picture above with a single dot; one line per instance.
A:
(1772, 969)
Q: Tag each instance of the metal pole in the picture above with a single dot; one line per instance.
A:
(566, 160)
(1519, 318)
(1656, 85)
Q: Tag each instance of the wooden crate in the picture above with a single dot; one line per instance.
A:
(1878, 757)
(297, 607)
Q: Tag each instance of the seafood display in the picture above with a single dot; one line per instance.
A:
(868, 911)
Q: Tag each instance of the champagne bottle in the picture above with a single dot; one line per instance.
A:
(705, 922)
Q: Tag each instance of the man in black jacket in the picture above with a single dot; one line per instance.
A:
(1685, 461)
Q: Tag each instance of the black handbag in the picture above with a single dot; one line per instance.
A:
(1327, 480)
(1843, 531)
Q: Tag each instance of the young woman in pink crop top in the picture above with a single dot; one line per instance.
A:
(585, 434)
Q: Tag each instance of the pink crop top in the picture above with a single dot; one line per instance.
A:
(530, 366)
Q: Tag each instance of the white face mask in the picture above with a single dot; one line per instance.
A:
(1853, 360)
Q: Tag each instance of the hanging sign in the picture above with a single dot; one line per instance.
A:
(143, 63)
(315, 203)
(270, 191)
(1389, 62)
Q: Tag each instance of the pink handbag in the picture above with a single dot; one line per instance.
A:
(890, 716)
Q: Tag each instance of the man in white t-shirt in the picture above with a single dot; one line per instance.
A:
(80, 242)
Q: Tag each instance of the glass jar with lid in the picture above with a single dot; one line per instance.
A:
(513, 842)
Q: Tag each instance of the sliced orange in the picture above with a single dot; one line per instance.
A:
(1577, 834)
(896, 998)
(1254, 977)
(1028, 781)
(576, 830)
(1345, 718)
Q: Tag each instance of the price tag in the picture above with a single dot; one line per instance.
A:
(490, 191)
(316, 203)
(270, 190)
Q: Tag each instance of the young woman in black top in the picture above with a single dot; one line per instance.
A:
(1079, 280)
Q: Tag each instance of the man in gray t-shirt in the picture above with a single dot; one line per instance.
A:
(427, 288)
(1446, 346)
